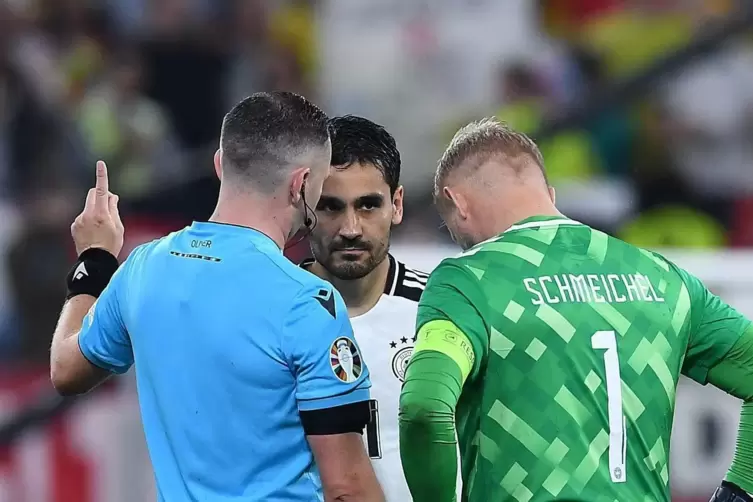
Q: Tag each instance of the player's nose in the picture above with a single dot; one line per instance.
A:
(351, 226)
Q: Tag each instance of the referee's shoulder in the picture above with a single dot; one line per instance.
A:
(139, 261)
(302, 281)
(142, 251)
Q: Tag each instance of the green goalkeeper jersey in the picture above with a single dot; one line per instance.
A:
(579, 342)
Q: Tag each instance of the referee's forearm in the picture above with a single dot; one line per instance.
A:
(428, 448)
(68, 326)
(69, 371)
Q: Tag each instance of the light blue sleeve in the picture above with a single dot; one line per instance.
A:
(103, 339)
(322, 351)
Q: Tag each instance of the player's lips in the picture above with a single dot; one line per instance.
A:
(351, 251)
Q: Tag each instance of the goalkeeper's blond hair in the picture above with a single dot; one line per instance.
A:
(479, 141)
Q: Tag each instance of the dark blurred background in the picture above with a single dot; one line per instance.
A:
(643, 110)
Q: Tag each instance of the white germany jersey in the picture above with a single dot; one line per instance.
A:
(385, 336)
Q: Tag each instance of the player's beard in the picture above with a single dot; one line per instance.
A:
(464, 241)
(352, 270)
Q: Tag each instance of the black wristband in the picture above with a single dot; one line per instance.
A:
(730, 492)
(91, 273)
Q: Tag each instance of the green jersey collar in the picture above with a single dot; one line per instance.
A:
(529, 223)
(541, 222)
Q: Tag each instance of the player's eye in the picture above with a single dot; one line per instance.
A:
(370, 203)
(330, 206)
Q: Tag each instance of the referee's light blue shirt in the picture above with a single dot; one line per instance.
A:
(230, 340)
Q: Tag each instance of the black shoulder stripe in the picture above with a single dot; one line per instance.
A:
(415, 275)
(412, 294)
(410, 283)
(417, 272)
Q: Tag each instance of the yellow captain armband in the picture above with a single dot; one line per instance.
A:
(445, 337)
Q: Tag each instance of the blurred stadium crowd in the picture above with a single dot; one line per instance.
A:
(680, 154)
(143, 84)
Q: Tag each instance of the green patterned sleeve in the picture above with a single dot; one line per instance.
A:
(715, 327)
(454, 294)
(734, 375)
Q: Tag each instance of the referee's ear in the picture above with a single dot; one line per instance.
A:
(298, 183)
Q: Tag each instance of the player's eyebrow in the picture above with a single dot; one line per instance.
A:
(375, 199)
(372, 199)
(330, 201)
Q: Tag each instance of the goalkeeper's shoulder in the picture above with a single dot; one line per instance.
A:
(451, 267)
(463, 273)
(454, 282)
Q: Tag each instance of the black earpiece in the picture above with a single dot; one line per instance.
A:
(308, 221)
(306, 218)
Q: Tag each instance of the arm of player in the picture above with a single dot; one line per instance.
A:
(90, 341)
(441, 362)
(734, 375)
(449, 349)
(720, 352)
(332, 389)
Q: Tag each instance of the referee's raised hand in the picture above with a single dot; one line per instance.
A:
(99, 225)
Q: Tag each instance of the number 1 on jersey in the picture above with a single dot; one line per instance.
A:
(607, 341)
(373, 439)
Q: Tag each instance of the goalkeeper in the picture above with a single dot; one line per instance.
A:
(554, 350)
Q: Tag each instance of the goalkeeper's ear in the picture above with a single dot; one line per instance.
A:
(730, 492)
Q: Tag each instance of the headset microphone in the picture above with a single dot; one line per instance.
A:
(307, 221)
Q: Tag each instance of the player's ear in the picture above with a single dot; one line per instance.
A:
(552, 195)
(298, 183)
(218, 163)
(397, 206)
(457, 200)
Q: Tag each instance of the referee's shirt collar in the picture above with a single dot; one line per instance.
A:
(260, 239)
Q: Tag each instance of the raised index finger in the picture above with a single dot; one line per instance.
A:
(101, 187)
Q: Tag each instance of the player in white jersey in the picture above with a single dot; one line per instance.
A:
(361, 201)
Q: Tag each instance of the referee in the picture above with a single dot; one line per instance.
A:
(250, 382)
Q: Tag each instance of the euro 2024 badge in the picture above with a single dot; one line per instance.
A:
(401, 356)
(345, 360)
